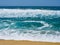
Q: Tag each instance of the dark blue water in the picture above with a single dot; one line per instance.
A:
(31, 7)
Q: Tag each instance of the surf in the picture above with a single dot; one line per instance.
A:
(28, 13)
(30, 24)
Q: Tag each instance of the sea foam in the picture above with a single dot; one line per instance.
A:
(47, 36)
(27, 12)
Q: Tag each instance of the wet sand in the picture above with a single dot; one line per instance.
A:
(12, 42)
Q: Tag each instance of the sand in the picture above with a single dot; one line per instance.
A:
(12, 42)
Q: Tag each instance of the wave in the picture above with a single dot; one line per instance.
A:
(32, 35)
(28, 13)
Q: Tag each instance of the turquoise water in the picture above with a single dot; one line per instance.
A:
(30, 24)
(18, 23)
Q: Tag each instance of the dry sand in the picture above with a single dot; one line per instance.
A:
(11, 42)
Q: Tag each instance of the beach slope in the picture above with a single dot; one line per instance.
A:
(12, 42)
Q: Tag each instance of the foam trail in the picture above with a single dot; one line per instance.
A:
(42, 22)
(45, 25)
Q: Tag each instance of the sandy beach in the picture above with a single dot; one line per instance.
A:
(12, 42)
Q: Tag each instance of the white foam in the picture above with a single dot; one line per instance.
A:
(31, 35)
(26, 12)
(45, 24)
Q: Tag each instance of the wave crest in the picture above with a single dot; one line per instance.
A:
(27, 12)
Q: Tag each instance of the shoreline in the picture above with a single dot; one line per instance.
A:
(25, 42)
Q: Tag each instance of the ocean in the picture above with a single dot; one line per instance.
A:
(34, 23)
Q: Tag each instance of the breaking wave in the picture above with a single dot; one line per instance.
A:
(32, 35)
(27, 12)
